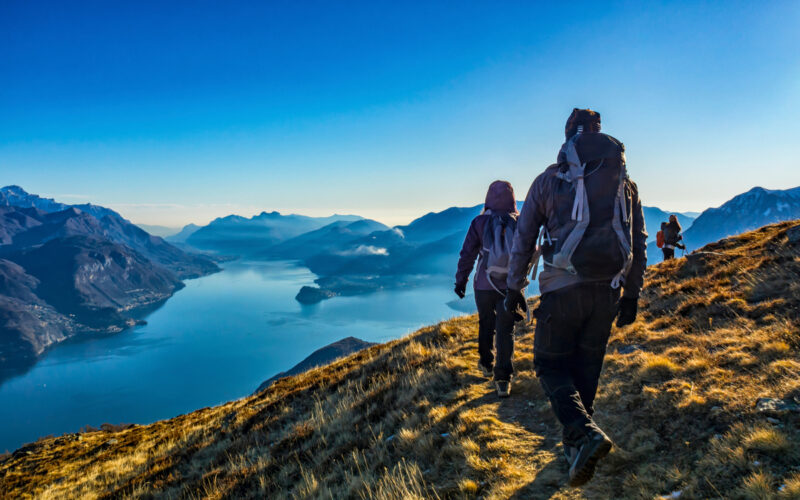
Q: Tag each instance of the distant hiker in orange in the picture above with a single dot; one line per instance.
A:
(490, 237)
(594, 242)
(670, 237)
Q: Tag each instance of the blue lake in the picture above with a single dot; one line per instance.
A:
(214, 341)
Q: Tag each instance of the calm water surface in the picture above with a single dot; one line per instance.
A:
(214, 341)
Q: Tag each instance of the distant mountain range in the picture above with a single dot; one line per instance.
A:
(254, 235)
(72, 269)
(745, 212)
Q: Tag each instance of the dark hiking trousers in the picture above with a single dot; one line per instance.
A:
(495, 326)
(668, 253)
(572, 329)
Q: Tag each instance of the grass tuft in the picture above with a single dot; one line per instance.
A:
(790, 487)
(766, 440)
(657, 367)
(757, 486)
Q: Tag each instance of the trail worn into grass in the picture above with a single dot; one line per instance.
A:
(413, 418)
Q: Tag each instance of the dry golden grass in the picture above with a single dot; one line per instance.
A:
(414, 419)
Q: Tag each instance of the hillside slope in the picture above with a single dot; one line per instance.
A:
(413, 419)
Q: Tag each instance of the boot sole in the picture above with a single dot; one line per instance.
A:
(502, 394)
(587, 471)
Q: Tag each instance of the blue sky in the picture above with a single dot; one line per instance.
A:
(177, 112)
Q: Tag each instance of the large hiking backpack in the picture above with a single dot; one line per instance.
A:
(498, 237)
(597, 249)
(660, 238)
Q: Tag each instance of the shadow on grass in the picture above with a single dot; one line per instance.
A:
(549, 481)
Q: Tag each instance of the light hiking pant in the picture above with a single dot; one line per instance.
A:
(495, 326)
(572, 330)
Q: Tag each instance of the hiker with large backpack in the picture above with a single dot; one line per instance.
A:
(593, 243)
(489, 238)
(669, 237)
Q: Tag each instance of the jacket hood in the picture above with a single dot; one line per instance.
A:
(500, 197)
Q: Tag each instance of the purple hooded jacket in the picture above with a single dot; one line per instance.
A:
(499, 199)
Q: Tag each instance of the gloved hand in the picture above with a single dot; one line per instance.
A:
(628, 308)
(514, 303)
(461, 290)
(681, 246)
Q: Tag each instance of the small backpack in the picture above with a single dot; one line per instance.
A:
(498, 238)
(660, 238)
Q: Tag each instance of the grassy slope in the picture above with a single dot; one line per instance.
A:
(413, 418)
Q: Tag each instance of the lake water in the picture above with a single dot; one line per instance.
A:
(214, 341)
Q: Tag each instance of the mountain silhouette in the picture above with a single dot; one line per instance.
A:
(744, 212)
(254, 235)
(111, 225)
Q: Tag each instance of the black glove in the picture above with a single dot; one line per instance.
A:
(461, 290)
(514, 303)
(682, 247)
(627, 311)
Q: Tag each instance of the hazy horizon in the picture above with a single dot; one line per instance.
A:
(255, 212)
(184, 112)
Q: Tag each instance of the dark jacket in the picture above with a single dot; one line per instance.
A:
(545, 205)
(499, 199)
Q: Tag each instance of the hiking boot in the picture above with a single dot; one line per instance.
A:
(486, 370)
(570, 453)
(503, 388)
(581, 470)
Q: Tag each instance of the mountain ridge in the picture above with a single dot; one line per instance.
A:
(65, 272)
(118, 229)
(744, 212)
(250, 236)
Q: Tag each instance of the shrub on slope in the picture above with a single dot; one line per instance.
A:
(413, 418)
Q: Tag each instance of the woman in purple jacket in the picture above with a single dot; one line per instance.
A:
(494, 322)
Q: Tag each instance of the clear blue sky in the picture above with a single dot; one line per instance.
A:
(175, 112)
